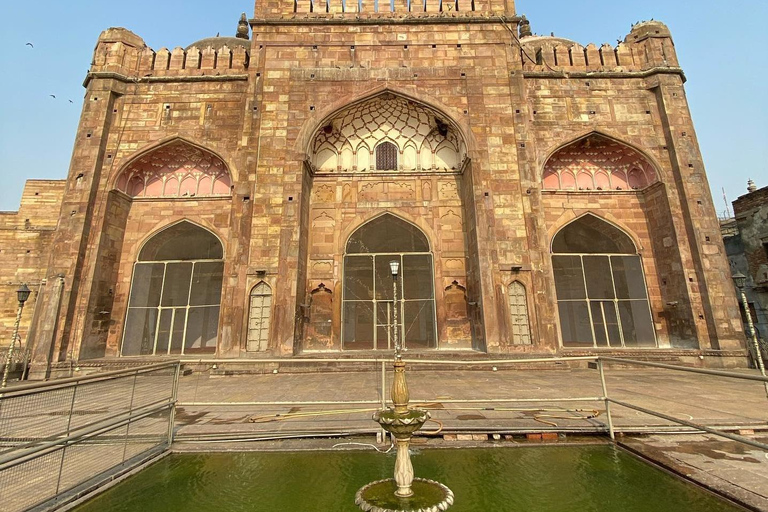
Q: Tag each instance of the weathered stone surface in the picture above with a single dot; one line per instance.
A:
(285, 224)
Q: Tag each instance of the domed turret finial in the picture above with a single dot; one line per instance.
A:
(525, 27)
(751, 187)
(242, 27)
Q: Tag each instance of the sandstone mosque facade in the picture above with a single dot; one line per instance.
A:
(242, 197)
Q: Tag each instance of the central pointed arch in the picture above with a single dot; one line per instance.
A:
(369, 303)
(416, 133)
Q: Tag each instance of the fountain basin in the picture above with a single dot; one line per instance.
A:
(401, 425)
(428, 496)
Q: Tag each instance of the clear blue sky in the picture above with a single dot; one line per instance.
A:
(721, 47)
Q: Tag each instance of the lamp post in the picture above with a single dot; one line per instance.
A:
(22, 294)
(394, 266)
(741, 280)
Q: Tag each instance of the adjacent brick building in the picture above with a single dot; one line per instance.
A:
(243, 196)
(746, 243)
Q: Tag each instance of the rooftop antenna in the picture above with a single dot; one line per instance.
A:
(727, 205)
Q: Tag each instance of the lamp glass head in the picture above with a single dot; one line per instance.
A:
(23, 293)
(740, 280)
(394, 265)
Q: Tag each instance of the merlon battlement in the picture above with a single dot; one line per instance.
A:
(121, 51)
(649, 45)
(268, 9)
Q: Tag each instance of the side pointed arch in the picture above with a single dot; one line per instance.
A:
(602, 296)
(184, 169)
(175, 295)
(590, 154)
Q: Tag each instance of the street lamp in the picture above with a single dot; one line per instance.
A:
(394, 266)
(22, 294)
(741, 280)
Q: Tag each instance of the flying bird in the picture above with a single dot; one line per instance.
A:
(30, 44)
(52, 96)
(71, 101)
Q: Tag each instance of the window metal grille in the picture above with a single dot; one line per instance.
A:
(259, 317)
(386, 157)
(175, 300)
(602, 297)
(518, 308)
(368, 305)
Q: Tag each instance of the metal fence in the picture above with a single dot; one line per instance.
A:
(309, 405)
(60, 439)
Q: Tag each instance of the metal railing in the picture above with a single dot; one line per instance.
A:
(381, 398)
(59, 439)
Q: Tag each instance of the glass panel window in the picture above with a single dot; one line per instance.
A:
(148, 283)
(141, 327)
(369, 304)
(176, 285)
(575, 323)
(569, 277)
(628, 276)
(358, 277)
(417, 276)
(206, 283)
(358, 325)
(419, 324)
(597, 274)
(175, 294)
(612, 310)
(202, 327)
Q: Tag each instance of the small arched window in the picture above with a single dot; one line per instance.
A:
(259, 317)
(600, 284)
(175, 296)
(386, 157)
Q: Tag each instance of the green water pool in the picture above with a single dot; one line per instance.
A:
(530, 479)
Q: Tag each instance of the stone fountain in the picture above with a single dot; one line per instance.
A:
(403, 492)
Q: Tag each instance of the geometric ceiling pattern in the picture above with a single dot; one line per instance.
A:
(597, 163)
(176, 169)
(425, 140)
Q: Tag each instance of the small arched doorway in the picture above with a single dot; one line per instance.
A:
(368, 295)
(175, 295)
(602, 297)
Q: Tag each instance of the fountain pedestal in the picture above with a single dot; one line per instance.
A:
(403, 493)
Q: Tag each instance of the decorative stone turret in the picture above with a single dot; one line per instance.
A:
(525, 28)
(242, 27)
(751, 187)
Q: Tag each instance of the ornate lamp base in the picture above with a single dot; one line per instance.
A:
(428, 496)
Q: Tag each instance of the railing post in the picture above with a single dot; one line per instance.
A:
(383, 395)
(174, 396)
(606, 399)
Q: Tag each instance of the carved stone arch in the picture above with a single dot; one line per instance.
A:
(173, 159)
(324, 116)
(595, 151)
